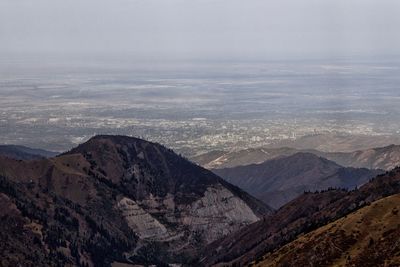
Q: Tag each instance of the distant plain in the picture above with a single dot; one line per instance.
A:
(199, 106)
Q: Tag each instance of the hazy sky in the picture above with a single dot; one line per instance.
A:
(202, 28)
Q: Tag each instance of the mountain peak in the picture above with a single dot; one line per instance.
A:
(145, 168)
(103, 141)
(117, 139)
(125, 187)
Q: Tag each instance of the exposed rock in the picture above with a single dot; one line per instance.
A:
(218, 213)
(140, 221)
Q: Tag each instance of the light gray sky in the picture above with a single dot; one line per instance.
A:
(202, 28)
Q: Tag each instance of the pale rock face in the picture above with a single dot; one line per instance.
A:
(141, 155)
(141, 221)
(154, 204)
(217, 214)
(213, 216)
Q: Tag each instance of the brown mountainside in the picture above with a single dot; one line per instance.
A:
(116, 198)
(367, 237)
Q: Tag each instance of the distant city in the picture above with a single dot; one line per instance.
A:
(197, 107)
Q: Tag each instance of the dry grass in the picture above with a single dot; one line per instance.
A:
(355, 240)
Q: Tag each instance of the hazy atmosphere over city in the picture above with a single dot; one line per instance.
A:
(204, 29)
(200, 106)
(197, 75)
(199, 133)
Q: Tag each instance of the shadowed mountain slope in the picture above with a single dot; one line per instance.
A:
(280, 180)
(25, 153)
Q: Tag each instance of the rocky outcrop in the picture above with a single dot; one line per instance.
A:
(217, 213)
(141, 221)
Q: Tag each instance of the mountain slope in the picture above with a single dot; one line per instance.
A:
(367, 237)
(385, 158)
(24, 153)
(117, 198)
(336, 142)
(302, 215)
(224, 159)
(280, 180)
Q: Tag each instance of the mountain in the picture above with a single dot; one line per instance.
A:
(115, 199)
(280, 180)
(222, 159)
(302, 215)
(385, 158)
(25, 153)
(367, 237)
(338, 142)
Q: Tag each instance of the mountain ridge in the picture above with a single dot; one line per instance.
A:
(119, 199)
(279, 180)
(300, 216)
(25, 153)
(123, 200)
(386, 158)
(367, 237)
